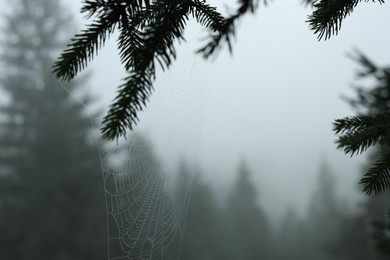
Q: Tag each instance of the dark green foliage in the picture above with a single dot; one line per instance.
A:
(227, 31)
(85, 46)
(308, 2)
(328, 15)
(369, 228)
(358, 133)
(51, 197)
(371, 127)
(378, 176)
(148, 31)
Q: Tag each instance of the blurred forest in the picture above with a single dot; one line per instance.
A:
(54, 203)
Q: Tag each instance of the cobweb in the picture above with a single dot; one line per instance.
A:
(143, 217)
(145, 209)
(146, 197)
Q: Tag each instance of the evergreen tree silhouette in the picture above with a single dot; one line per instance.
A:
(147, 33)
(369, 101)
(370, 127)
(51, 195)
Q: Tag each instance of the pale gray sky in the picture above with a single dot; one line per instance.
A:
(272, 102)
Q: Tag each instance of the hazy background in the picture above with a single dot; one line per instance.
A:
(272, 101)
(253, 130)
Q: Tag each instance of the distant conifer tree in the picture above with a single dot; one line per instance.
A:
(371, 102)
(147, 33)
(51, 195)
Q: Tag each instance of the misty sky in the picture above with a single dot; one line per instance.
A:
(271, 103)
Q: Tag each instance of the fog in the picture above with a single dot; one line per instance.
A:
(267, 109)
(272, 102)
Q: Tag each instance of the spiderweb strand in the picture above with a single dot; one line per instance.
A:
(144, 215)
(146, 211)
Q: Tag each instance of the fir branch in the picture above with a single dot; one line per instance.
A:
(84, 46)
(147, 36)
(358, 133)
(358, 123)
(129, 38)
(166, 24)
(328, 15)
(96, 7)
(227, 31)
(378, 177)
(208, 16)
(358, 142)
(308, 2)
(139, 50)
(99, 7)
(370, 100)
(132, 97)
(160, 36)
(368, 66)
(149, 30)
